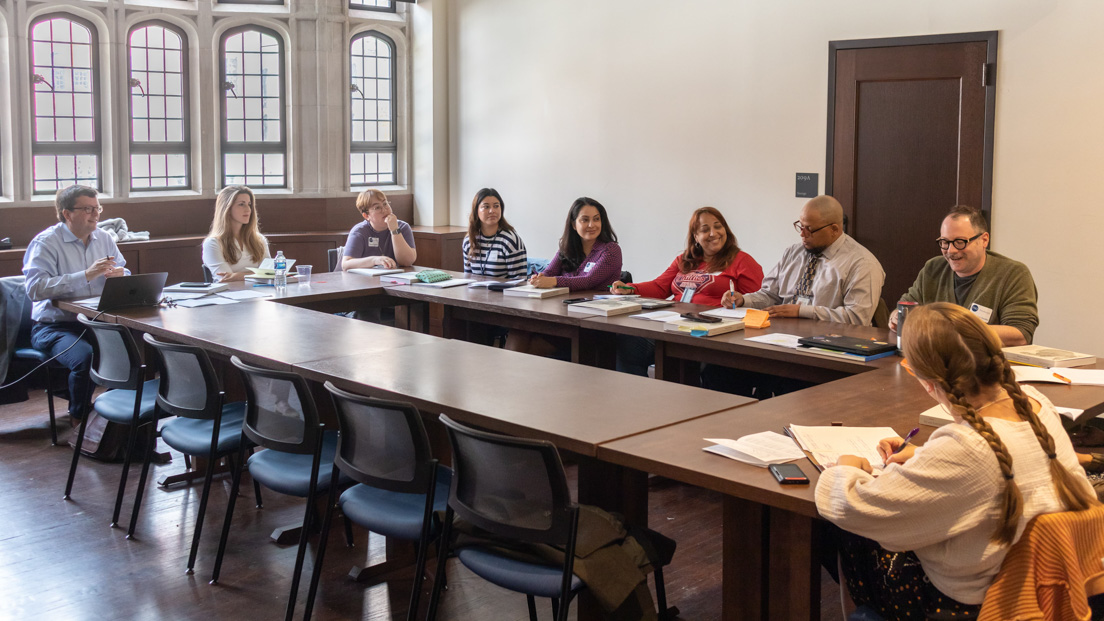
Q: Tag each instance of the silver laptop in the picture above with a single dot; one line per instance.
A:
(131, 291)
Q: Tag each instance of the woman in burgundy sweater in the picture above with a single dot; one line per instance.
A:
(588, 258)
(701, 274)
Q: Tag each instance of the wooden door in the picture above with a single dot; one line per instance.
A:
(910, 134)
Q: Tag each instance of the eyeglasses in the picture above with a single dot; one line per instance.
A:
(379, 207)
(801, 227)
(959, 243)
(905, 365)
(88, 210)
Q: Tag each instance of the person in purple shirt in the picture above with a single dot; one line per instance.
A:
(589, 258)
(382, 240)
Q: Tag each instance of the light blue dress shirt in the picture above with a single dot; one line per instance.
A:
(54, 266)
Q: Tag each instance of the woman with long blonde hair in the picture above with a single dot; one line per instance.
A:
(234, 242)
(935, 526)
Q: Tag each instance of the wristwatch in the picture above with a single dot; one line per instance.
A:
(395, 232)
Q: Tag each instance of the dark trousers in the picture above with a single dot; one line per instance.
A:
(74, 353)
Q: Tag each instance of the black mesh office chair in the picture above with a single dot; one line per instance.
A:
(117, 366)
(203, 425)
(280, 416)
(25, 352)
(383, 446)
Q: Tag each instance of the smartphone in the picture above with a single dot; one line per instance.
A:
(195, 284)
(701, 318)
(788, 474)
(576, 300)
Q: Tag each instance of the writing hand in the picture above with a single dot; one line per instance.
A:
(541, 281)
(624, 289)
(732, 299)
(783, 310)
(855, 462)
(888, 447)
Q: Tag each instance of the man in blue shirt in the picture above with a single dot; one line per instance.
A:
(71, 259)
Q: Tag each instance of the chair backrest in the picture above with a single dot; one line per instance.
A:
(19, 296)
(512, 487)
(626, 276)
(117, 363)
(535, 266)
(333, 258)
(280, 412)
(208, 277)
(189, 386)
(1054, 567)
(382, 443)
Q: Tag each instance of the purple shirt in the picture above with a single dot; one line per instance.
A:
(601, 268)
(365, 241)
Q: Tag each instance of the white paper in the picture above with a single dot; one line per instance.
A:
(444, 284)
(758, 449)
(828, 443)
(1070, 413)
(1079, 377)
(211, 300)
(610, 296)
(726, 313)
(657, 316)
(177, 296)
(245, 294)
(487, 283)
(777, 338)
(375, 271)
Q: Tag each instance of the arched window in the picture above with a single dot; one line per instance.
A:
(65, 143)
(160, 143)
(372, 105)
(373, 5)
(254, 136)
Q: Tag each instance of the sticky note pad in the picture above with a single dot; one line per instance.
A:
(756, 319)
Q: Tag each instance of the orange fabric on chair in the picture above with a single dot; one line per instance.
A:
(1051, 571)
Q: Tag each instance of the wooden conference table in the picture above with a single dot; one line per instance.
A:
(621, 426)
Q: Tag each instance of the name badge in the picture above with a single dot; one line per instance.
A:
(804, 300)
(373, 242)
(983, 313)
(688, 295)
(588, 267)
(492, 256)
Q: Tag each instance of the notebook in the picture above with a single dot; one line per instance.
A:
(131, 291)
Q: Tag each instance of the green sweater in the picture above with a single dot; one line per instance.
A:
(1003, 285)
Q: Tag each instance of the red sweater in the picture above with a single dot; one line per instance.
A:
(744, 273)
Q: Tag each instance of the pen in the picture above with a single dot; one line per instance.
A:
(732, 290)
(1064, 379)
(264, 285)
(908, 438)
(623, 286)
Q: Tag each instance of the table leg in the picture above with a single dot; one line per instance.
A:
(793, 587)
(744, 573)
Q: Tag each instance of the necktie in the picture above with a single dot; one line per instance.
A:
(805, 284)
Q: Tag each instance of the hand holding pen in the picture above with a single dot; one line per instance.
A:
(898, 450)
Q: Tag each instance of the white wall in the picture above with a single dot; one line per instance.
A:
(656, 107)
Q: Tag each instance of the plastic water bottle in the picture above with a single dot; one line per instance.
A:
(281, 270)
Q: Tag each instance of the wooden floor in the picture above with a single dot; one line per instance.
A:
(60, 559)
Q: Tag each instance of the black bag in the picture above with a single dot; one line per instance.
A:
(106, 441)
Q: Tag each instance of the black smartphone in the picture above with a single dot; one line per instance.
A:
(701, 318)
(576, 300)
(788, 474)
(195, 284)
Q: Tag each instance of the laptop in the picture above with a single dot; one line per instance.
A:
(131, 291)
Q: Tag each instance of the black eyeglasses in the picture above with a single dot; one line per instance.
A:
(959, 243)
(88, 210)
(801, 227)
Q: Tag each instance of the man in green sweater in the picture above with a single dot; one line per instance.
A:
(997, 289)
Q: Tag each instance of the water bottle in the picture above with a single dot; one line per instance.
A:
(281, 270)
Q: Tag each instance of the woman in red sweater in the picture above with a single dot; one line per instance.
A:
(701, 274)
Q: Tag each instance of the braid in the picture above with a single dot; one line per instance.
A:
(1012, 505)
(1070, 493)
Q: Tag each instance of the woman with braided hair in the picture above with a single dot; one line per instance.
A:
(931, 532)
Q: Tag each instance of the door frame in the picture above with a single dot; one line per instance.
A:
(988, 36)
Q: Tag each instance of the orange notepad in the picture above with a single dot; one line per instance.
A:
(756, 319)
